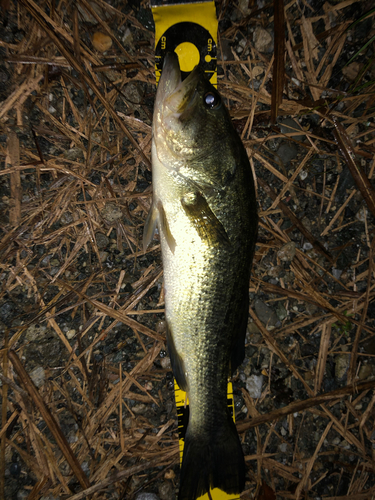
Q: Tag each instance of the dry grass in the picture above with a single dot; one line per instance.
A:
(80, 101)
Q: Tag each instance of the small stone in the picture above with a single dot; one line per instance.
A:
(351, 71)
(262, 40)
(133, 93)
(22, 494)
(257, 70)
(127, 37)
(289, 126)
(336, 273)
(341, 365)
(66, 218)
(147, 496)
(243, 5)
(365, 372)
(70, 334)
(101, 41)
(111, 212)
(161, 326)
(170, 474)
(74, 154)
(140, 408)
(274, 271)
(283, 447)
(166, 363)
(287, 151)
(34, 332)
(254, 386)
(311, 308)
(166, 490)
(253, 331)
(266, 315)
(361, 215)
(287, 252)
(101, 240)
(38, 376)
(281, 312)
(103, 256)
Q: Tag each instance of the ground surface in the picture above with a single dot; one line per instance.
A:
(81, 305)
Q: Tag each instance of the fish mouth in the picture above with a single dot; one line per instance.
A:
(177, 95)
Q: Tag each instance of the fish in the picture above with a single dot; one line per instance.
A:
(204, 208)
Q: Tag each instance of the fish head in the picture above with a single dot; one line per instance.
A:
(190, 119)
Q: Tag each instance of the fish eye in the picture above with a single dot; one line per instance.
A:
(211, 100)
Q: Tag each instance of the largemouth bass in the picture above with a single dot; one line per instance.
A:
(205, 209)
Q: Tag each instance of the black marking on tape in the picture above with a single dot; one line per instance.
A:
(187, 32)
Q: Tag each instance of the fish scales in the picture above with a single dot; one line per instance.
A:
(205, 209)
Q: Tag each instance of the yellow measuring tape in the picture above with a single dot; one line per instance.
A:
(190, 30)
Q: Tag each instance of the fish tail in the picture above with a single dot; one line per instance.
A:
(212, 461)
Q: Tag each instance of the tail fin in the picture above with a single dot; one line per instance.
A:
(215, 461)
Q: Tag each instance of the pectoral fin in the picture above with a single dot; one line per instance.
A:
(165, 227)
(157, 217)
(207, 225)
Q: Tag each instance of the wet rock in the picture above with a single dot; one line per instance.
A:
(287, 251)
(266, 315)
(262, 40)
(287, 151)
(38, 376)
(254, 386)
(341, 365)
